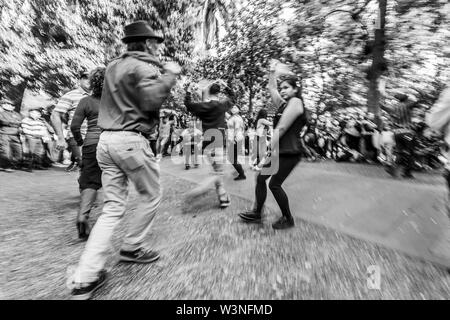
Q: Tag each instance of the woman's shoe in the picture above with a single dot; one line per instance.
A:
(83, 229)
(251, 216)
(283, 223)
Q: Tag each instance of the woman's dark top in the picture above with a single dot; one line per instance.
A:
(290, 143)
(86, 109)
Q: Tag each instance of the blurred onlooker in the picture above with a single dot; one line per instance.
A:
(369, 130)
(51, 154)
(235, 137)
(353, 135)
(439, 120)
(387, 144)
(34, 131)
(404, 136)
(191, 138)
(66, 107)
(164, 135)
(10, 144)
(90, 180)
(175, 134)
(262, 130)
(250, 139)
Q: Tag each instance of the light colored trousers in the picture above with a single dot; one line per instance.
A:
(123, 156)
(215, 156)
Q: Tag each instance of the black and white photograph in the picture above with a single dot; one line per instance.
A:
(224, 155)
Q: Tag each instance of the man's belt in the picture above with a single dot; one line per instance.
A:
(145, 135)
(402, 131)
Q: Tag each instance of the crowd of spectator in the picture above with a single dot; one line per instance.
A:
(28, 141)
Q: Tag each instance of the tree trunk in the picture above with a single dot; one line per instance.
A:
(378, 62)
(15, 93)
(250, 99)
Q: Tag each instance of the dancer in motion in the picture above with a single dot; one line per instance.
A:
(235, 139)
(285, 147)
(212, 114)
(91, 175)
(133, 93)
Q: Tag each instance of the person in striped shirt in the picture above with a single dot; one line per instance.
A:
(10, 145)
(66, 107)
(34, 130)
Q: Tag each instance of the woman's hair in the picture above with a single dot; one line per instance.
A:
(96, 81)
(262, 114)
(137, 45)
(294, 82)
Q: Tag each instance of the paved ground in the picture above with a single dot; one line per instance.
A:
(362, 201)
(207, 253)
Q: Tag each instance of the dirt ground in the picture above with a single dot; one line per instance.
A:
(206, 252)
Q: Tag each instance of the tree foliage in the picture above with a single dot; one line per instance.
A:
(46, 43)
(329, 44)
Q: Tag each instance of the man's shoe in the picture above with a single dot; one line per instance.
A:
(239, 177)
(139, 256)
(407, 175)
(251, 216)
(74, 166)
(85, 292)
(9, 170)
(283, 223)
(83, 229)
(187, 167)
(225, 202)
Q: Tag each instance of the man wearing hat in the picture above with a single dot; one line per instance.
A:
(133, 92)
(10, 145)
(66, 107)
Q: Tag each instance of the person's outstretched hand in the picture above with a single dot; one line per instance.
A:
(279, 68)
(172, 67)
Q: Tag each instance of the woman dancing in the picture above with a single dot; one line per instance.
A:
(285, 148)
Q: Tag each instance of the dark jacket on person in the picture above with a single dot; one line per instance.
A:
(133, 93)
(212, 113)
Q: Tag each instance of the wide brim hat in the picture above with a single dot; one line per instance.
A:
(6, 101)
(139, 30)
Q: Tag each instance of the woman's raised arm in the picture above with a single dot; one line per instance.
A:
(272, 86)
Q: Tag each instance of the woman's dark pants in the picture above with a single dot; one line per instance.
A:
(286, 165)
